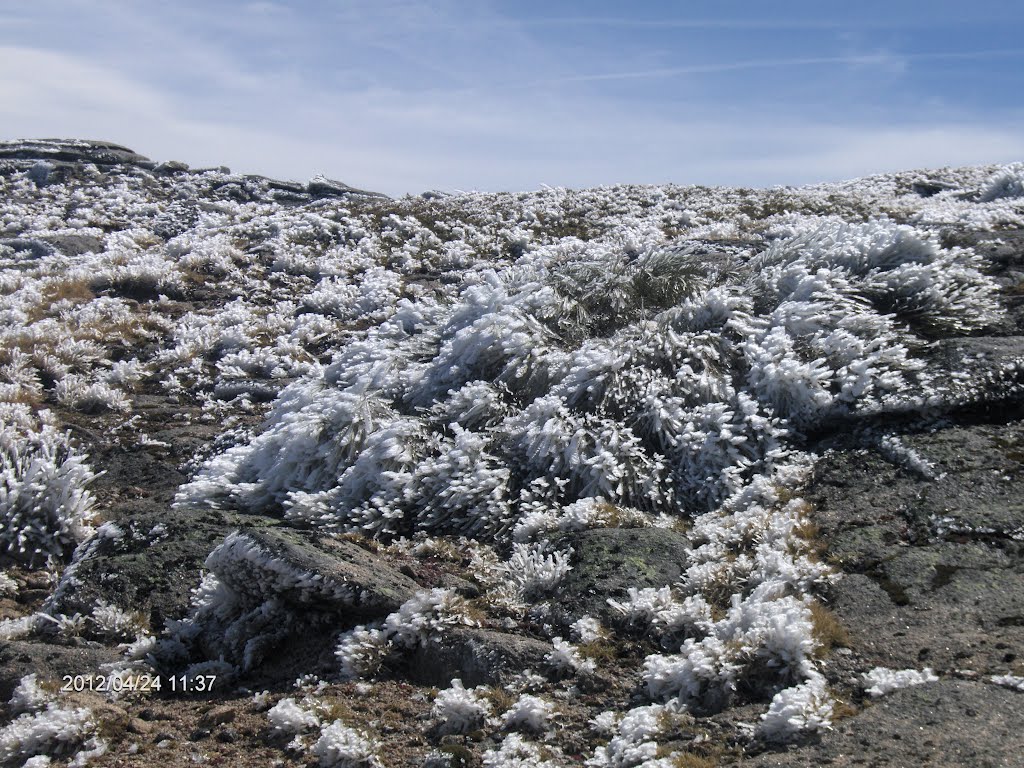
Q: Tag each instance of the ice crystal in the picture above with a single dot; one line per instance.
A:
(516, 752)
(45, 504)
(53, 732)
(1013, 682)
(292, 717)
(361, 650)
(529, 713)
(459, 709)
(802, 708)
(28, 696)
(340, 746)
(565, 659)
(881, 680)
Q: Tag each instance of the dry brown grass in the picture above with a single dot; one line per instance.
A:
(690, 760)
(70, 290)
(842, 709)
(828, 631)
(600, 651)
(361, 541)
(475, 610)
(810, 540)
(336, 709)
(707, 755)
(500, 699)
(55, 291)
(22, 395)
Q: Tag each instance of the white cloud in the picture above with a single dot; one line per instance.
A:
(405, 140)
(38, 86)
(844, 152)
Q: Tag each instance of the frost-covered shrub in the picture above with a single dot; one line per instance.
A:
(423, 617)
(586, 629)
(372, 295)
(535, 570)
(776, 635)
(459, 709)
(529, 713)
(515, 752)
(589, 512)
(138, 274)
(61, 624)
(141, 647)
(77, 393)
(565, 659)
(291, 717)
(634, 740)
(114, 624)
(762, 641)
(46, 508)
(213, 255)
(498, 415)
(701, 672)
(17, 629)
(882, 680)
(28, 696)
(659, 611)
(1008, 182)
(340, 746)
(803, 708)
(51, 732)
(818, 281)
(609, 290)
(604, 723)
(361, 651)
(8, 586)
(427, 614)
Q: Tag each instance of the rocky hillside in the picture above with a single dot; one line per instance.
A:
(299, 474)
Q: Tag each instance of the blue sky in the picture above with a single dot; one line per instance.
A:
(404, 96)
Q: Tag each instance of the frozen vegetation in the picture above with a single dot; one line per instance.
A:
(480, 374)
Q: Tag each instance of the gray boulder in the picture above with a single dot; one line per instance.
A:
(34, 247)
(934, 567)
(320, 186)
(606, 562)
(948, 723)
(302, 570)
(273, 588)
(979, 372)
(475, 656)
(72, 151)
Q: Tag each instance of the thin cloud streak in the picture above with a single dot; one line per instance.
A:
(710, 69)
(724, 24)
(881, 59)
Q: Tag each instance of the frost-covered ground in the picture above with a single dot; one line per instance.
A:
(451, 385)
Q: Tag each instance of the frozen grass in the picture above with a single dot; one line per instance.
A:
(42, 728)
(46, 507)
(459, 709)
(497, 367)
